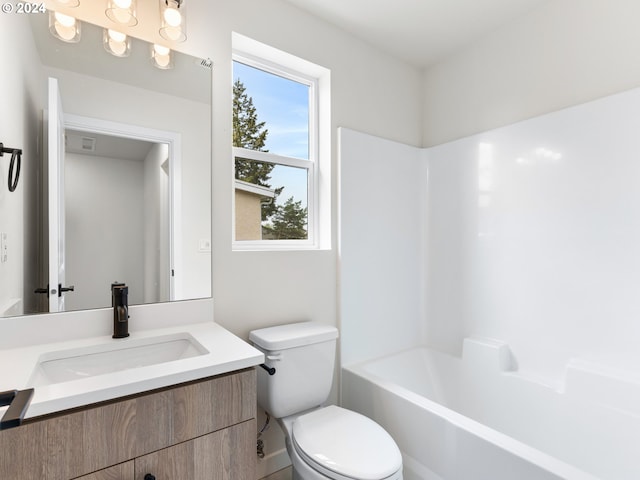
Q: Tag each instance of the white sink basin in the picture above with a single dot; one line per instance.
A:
(118, 355)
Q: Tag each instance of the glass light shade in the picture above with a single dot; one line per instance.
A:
(161, 57)
(173, 26)
(64, 27)
(116, 43)
(123, 12)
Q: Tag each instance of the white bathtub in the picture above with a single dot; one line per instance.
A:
(474, 418)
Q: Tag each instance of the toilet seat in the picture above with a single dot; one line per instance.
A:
(345, 445)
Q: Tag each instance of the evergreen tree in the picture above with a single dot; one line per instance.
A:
(289, 222)
(247, 131)
(251, 134)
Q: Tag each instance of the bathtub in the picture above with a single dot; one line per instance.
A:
(477, 418)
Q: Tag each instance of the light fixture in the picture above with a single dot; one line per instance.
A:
(161, 56)
(173, 25)
(64, 27)
(123, 12)
(116, 43)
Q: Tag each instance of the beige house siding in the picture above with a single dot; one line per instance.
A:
(248, 207)
(248, 216)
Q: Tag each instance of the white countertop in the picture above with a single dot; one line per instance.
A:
(226, 353)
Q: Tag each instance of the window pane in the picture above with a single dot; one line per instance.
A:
(271, 113)
(274, 207)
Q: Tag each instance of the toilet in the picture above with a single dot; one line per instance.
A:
(323, 442)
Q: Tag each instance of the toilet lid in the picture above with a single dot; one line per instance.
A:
(351, 445)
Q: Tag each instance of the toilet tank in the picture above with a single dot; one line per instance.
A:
(303, 355)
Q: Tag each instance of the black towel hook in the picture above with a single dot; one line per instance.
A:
(16, 154)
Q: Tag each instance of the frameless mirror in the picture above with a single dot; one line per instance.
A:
(132, 199)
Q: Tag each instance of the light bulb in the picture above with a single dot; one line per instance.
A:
(65, 33)
(116, 43)
(174, 21)
(122, 12)
(161, 50)
(117, 36)
(64, 27)
(161, 56)
(65, 20)
(162, 60)
(118, 48)
(172, 17)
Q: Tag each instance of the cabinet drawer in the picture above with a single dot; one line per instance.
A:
(223, 455)
(124, 471)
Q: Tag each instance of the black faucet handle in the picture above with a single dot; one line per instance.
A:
(120, 304)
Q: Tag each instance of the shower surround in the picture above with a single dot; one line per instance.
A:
(527, 235)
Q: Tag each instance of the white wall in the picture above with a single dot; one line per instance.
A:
(382, 234)
(21, 101)
(565, 53)
(255, 289)
(104, 238)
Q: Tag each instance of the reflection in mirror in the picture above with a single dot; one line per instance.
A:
(133, 246)
(136, 170)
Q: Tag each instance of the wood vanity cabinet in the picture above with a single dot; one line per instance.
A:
(199, 430)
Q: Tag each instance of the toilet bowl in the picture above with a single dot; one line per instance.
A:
(323, 442)
(340, 444)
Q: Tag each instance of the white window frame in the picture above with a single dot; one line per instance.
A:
(311, 165)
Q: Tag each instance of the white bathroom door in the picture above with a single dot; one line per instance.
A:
(56, 148)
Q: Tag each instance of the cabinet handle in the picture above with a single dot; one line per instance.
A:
(148, 476)
(18, 401)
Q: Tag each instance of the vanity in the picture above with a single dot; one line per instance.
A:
(188, 412)
(198, 430)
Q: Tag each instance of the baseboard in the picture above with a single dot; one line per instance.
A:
(271, 463)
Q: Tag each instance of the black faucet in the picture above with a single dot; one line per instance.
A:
(119, 301)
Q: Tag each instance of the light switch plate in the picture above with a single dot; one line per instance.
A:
(4, 248)
(204, 245)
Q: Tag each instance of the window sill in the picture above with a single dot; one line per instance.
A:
(274, 246)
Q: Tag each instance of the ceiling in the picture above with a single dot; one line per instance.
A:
(108, 146)
(420, 32)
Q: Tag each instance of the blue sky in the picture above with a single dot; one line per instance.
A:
(284, 105)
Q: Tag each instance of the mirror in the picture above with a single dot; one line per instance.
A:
(135, 197)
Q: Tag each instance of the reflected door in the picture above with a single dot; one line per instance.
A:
(56, 198)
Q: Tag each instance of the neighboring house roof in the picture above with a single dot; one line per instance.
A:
(255, 189)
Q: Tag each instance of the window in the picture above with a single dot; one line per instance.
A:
(277, 202)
